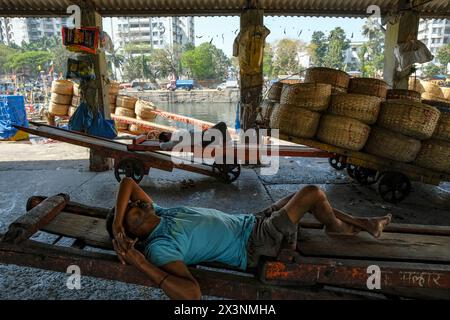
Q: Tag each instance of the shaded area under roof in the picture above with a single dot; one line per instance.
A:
(108, 8)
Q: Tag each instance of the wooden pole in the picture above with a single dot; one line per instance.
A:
(406, 28)
(96, 91)
(251, 83)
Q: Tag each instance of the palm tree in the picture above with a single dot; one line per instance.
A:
(116, 61)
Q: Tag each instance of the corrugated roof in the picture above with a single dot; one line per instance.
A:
(351, 8)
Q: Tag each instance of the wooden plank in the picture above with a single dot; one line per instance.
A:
(28, 224)
(392, 246)
(107, 266)
(91, 230)
(371, 161)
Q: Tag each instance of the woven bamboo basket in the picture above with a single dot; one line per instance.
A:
(71, 111)
(296, 122)
(415, 85)
(432, 97)
(338, 90)
(357, 106)
(76, 89)
(439, 103)
(61, 98)
(392, 145)
(136, 129)
(336, 78)
(274, 92)
(432, 89)
(58, 109)
(413, 119)
(368, 86)
(75, 101)
(122, 126)
(62, 87)
(311, 96)
(435, 155)
(446, 93)
(114, 88)
(144, 109)
(126, 102)
(343, 132)
(393, 94)
(442, 131)
(125, 112)
(265, 111)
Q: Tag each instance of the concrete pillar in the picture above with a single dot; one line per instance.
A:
(399, 32)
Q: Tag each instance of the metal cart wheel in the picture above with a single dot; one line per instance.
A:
(228, 173)
(351, 171)
(131, 168)
(365, 176)
(337, 163)
(394, 187)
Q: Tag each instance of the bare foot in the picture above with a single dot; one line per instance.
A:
(342, 228)
(375, 226)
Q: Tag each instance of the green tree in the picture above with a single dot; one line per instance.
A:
(34, 60)
(268, 61)
(431, 70)
(374, 48)
(286, 60)
(443, 55)
(337, 44)
(6, 53)
(206, 62)
(318, 48)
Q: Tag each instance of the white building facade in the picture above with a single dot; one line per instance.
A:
(435, 33)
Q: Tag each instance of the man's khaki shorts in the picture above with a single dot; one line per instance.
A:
(268, 235)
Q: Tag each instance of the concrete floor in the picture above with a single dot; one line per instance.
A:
(43, 168)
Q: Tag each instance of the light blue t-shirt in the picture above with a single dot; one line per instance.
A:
(195, 235)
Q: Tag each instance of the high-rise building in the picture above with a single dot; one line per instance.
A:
(6, 31)
(37, 28)
(435, 33)
(155, 32)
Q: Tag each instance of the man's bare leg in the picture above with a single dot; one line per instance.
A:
(312, 199)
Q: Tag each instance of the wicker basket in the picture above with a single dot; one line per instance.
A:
(415, 85)
(61, 98)
(71, 111)
(435, 155)
(413, 119)
(113, 88)
(343, 132)
(442, 131)
(357, 106)
(144, 110)
(62, 87)
(126, 102)
(58, 109)
(274, 92)
(439, 103)
(335, 78)
(392, 145)
(446, 93)
(296, 122)
(433, 89)
(122, 126)
(393, 94)
(136, 129)
(338, 90)
(368, 86)
(311, 96)
(125, 112)
(432, 97)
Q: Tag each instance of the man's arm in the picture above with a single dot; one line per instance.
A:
(174, 277)
(128, 190)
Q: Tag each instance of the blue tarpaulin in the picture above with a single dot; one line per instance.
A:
(12, 111)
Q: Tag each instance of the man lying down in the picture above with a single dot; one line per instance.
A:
(173, 238)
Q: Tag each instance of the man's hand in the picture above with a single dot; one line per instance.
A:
(125, 250)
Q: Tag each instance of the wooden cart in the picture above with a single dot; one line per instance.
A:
(414, 260)
(392, 178)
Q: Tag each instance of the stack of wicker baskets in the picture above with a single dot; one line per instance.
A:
(402, 124)
(75, 99)
(125, 106)
(269, 104)
(300, 109)
(113, 93)
(350, 114)
(435, 152)
(338, 79)
(432, 91)
(61, 97)
(144, 111)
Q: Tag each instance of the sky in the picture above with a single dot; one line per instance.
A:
(207, 28)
